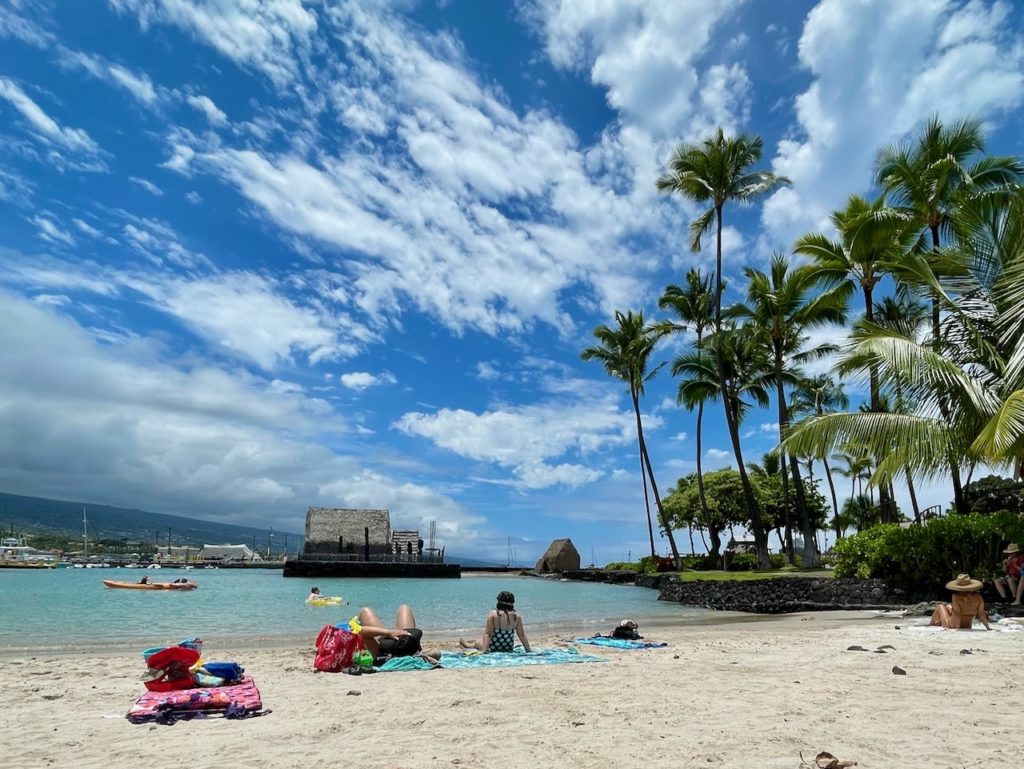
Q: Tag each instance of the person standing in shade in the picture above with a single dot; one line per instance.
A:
(967, 604)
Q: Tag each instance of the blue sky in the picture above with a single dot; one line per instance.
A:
(261, 255)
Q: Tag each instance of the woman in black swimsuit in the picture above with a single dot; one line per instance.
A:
(502, 627)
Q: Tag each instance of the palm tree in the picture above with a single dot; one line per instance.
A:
(872, 242)
(781, 306)
(929, 178)
(816, 396)
(625, 351)
(716, 171)
(747, 374)
(692, 306)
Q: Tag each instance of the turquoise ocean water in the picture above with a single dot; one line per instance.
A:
(71, 607)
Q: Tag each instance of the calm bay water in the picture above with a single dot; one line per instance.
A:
(68, 607)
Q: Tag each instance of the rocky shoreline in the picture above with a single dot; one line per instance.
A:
(780, 595)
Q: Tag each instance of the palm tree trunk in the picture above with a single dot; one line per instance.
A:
(689, 529)
(700, 472)
(810, 556)
(753, 508)
(787, 544)
(913, 496)
(647, 501)
(959, 502)
(666, 525)
(835, 501)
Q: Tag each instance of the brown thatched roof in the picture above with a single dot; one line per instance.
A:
(326, 524)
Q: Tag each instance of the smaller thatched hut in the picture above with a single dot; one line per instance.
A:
(561, 555)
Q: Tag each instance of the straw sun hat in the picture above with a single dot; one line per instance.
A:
(1011, 549)
(964, 584)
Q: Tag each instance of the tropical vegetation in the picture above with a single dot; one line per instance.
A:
(924, 286)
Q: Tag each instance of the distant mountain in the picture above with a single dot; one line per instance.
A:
(34, 514)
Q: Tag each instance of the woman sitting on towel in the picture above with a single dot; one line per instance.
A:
(502, 627)
(967, 604)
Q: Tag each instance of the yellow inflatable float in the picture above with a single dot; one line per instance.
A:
(327, 600)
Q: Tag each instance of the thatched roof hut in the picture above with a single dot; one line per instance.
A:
(347, 530)
(561, 555)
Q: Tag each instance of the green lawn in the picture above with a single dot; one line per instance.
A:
(743, 576)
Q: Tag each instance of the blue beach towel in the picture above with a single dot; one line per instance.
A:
(618, 643)
(514, 659)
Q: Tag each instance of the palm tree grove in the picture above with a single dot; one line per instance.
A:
(921, 283)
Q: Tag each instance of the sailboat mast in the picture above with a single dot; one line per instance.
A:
(85, 531)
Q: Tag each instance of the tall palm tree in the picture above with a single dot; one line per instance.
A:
(872, 242)
(816, 396)
(782, 305)
(746, 371)
(713, 172)
(929, 178)
(625, 351)
(692, 306)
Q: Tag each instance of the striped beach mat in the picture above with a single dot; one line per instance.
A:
(241, 700)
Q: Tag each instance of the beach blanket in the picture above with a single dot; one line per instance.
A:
(240, 700)
(999, 625)
(618, 643)
(456, 660)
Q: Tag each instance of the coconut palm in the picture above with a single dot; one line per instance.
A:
(930, 178)
(625, 350)
(782, 305)
(873, 240)
(714, 172)
(692, 307)
(747, 374)
(816, 396)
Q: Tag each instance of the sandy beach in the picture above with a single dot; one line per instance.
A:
(742, 694)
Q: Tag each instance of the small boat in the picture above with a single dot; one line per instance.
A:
(150, 585)
(15, 554)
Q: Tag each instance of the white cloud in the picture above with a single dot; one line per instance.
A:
(878, 69)
(718, 453)
(138, 85)
(118, 424)
(361, 380)
(772, 428)
(86, 228)
(43, 126)
(193, 197)
(148, 186)
(527, 438)
(680, 437)
(634, 48)
(267, 36)
(205, 105)
(487, 372)
(51, 232)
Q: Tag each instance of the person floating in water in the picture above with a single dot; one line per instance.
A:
(314, 595)
(502, 626)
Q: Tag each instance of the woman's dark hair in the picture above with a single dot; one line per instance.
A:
(506, 601)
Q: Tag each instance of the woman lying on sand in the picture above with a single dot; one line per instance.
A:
(967, 604)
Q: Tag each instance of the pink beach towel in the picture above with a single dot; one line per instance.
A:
(237, 701)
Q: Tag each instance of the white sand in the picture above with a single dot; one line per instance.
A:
(752, 694)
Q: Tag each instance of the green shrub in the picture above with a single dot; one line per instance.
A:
(623, 566)
(922, 558)
(743, 562)
(701, 562)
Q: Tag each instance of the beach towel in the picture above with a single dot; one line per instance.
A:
(241, 700)
(618, 643)
(396, 664)
(455, 660)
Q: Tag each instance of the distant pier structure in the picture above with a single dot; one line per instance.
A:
(359, 542)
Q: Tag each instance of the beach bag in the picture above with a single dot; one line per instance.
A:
(169, 669)
(229, 671)
(335, 648)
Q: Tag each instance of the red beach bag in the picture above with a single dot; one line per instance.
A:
(335, 648)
